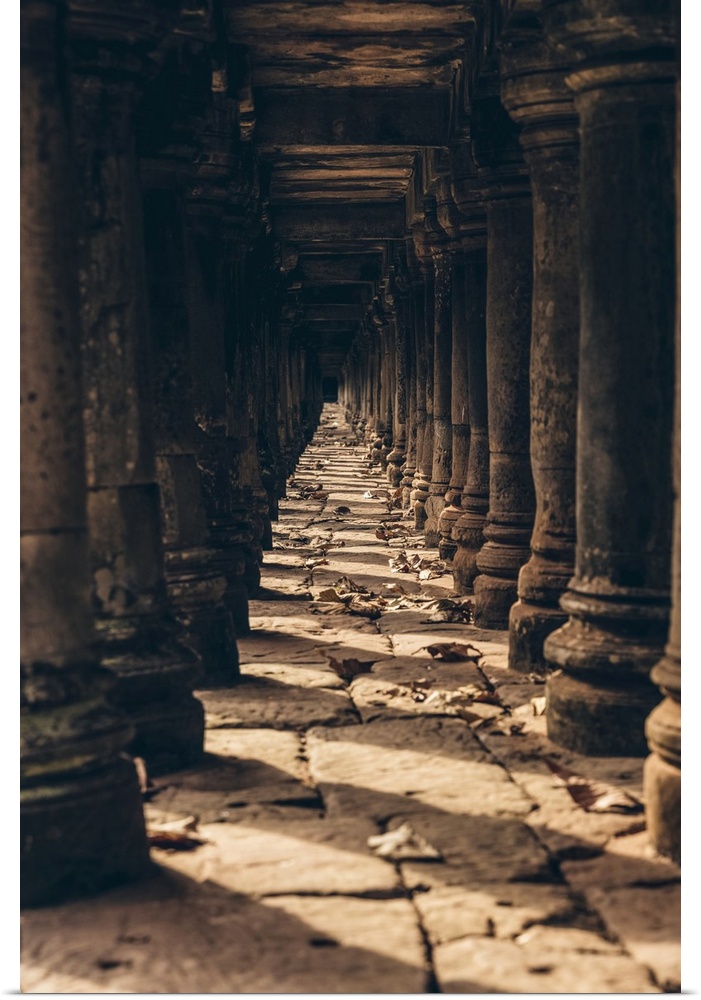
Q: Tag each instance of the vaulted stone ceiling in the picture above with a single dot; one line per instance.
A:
(341, 97)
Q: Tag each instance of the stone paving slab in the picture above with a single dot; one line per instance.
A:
(499, 909)
(269, 702)
(433, 762)
(266, 855)
(172, 935)
(488, 965)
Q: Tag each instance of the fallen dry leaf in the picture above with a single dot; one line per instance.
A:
(591, 795)
(539, 705)
(350, 668)
(345, 583)
(404, 844)
(341, 510)
(452, 652)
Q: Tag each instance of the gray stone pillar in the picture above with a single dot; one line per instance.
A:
(460, 413)
(511, 499)
(397, 456)
(618, 601)
(196, 585)
(535, 94)
(468, 531)
(74, 776)
(155, 673)
(442, 384)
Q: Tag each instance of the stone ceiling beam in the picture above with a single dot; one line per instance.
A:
(357, 221)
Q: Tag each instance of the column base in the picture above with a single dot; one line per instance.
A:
(494, 597)
(662, 784)
(154, 678)
(469, 539)
(529, 626)
(196, 590)
(447, 546)
(81, 835)
(600, 715)
(435, 505)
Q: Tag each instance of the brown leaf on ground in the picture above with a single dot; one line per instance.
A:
(349, 586)
(591, 795)
(350, 668)
(174, 836)
(368, 607)
(341, 510)
(329, 595)
(451, 652)
(313, 563)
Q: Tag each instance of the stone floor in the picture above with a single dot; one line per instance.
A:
(345, 728)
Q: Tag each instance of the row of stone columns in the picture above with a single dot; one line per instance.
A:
(152, 439)
(552, 234)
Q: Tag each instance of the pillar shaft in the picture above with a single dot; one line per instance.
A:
(618, 599)
(468, 531)
(196, 586)
(460, 415)
(442, 385)
(74, 776)
(511, 498)
(155, 674)
(535, 93)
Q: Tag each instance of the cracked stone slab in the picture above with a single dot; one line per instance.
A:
(387, 692)
(647, 921)
(410, 764)
(295, 673)
(500, 909)
(268, 702)
(264, 855)
(242, 767)
(489, 965)
(626, 861)
(172, 935)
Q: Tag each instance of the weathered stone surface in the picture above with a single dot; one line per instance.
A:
(413, 763)
(242, 767)
(177, 936)
(485, 965)
(647, 923)
(273, 703)
(267, 855)
(503, 910)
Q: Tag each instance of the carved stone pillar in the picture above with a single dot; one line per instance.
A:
(74, 776)
(459, 402)
(618, 601)
(468, 532)
(663, 768)
(397, 456)
(442, 384)
(155, 673)
(419, 489)
(509, 286)
(424, 469)
(535, 94)
(409, 469)
(196, 585)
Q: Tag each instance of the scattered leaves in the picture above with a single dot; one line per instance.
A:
(591, 795)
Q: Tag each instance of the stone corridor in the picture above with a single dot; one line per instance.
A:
(345, 728)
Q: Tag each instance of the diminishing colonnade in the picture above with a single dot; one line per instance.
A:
(505, 347)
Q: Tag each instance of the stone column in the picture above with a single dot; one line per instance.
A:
(74, 776)
(155, 674)
(460, 416)
(424, 469)
(663, 768)
(535, 94)
(419, 487)
(624, 83)
(196, 585)
(442, 383)
(396, 458)
(509, 287)
(409, 469)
